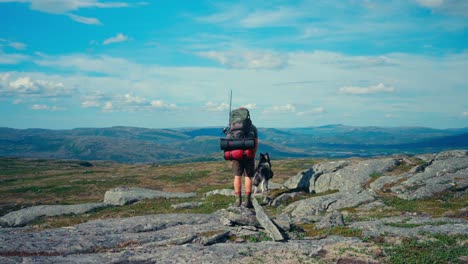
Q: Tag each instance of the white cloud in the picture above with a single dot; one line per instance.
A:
(93, 64)
(64, 6)
(17, 45)
(240, 16)
(465, 113)
(390, 116)
(315, 111)
(39, 107)
(159, 104)
(215, 107)
(379, 88)
(430, 3)
(250, 106)
(42, 107)
(310, 79)
(287, 108)
(271, 18)
(118, 38)
(11, 58)
(85, 20)
(451, 7)
(27, 86)
(90, 104)
(108, 107)
(131, 99)
(247, 59)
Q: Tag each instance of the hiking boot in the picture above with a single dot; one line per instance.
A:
(248, 202)
(238, 200)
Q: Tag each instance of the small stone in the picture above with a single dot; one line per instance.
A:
(332, 219)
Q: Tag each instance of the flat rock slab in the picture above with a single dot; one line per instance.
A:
(266, 222)
(239, 216)
(128, 195)
(312, 209)
(410, 227)
(225, 192)
(187, 205)
(263, 252)
(25, 216)
(107, 234)
(446, 171)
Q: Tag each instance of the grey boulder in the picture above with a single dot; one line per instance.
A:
(25, 216)
(128, 195)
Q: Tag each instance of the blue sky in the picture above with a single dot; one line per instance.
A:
(164, 64)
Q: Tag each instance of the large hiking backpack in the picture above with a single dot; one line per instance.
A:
(241, 125)
(239, 136)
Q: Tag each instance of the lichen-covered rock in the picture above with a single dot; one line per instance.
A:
(187, 205)
(330, 220)
(312, 209)
(225, 192)
(107, 234)
(448, 170)
(353, 176)
(405, 226)
(128, 195)
(266, 222)
(283, 199)
(300, 181)
(27, 215)
(238, 216)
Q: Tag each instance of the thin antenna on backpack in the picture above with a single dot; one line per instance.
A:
(230, 105)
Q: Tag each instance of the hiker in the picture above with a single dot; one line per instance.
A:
(242, 139)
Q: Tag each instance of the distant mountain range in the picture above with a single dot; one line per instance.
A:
(143, 145)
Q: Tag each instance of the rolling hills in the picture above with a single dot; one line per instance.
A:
(144, 145)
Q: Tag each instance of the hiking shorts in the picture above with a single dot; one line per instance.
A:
(243, 167)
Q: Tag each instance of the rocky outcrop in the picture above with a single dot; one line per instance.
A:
(266, 222)
(447, 170)
(238, 216)
(313, 209)
(189, 205)
(330, 220)
(300, 181)
(350, 177)
(128, 195)
(225, 192)
(404, 226)
(25, 216)
(316, 199)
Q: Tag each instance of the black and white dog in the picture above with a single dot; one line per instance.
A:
(263, 173)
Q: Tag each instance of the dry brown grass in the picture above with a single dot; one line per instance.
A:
(28, 182)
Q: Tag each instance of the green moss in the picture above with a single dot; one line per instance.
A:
(435, 206)
(259, 237)
(409, 225)
(439, 249)
(144, 207)
(375, 175)
(345, 231)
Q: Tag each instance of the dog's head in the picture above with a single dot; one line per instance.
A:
(265, 158)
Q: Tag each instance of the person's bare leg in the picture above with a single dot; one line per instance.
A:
(248, 192)
(238, 190)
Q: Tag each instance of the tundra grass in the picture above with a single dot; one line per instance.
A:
(345, 231)
(437, 249)
(436, 206)
(144, 207)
